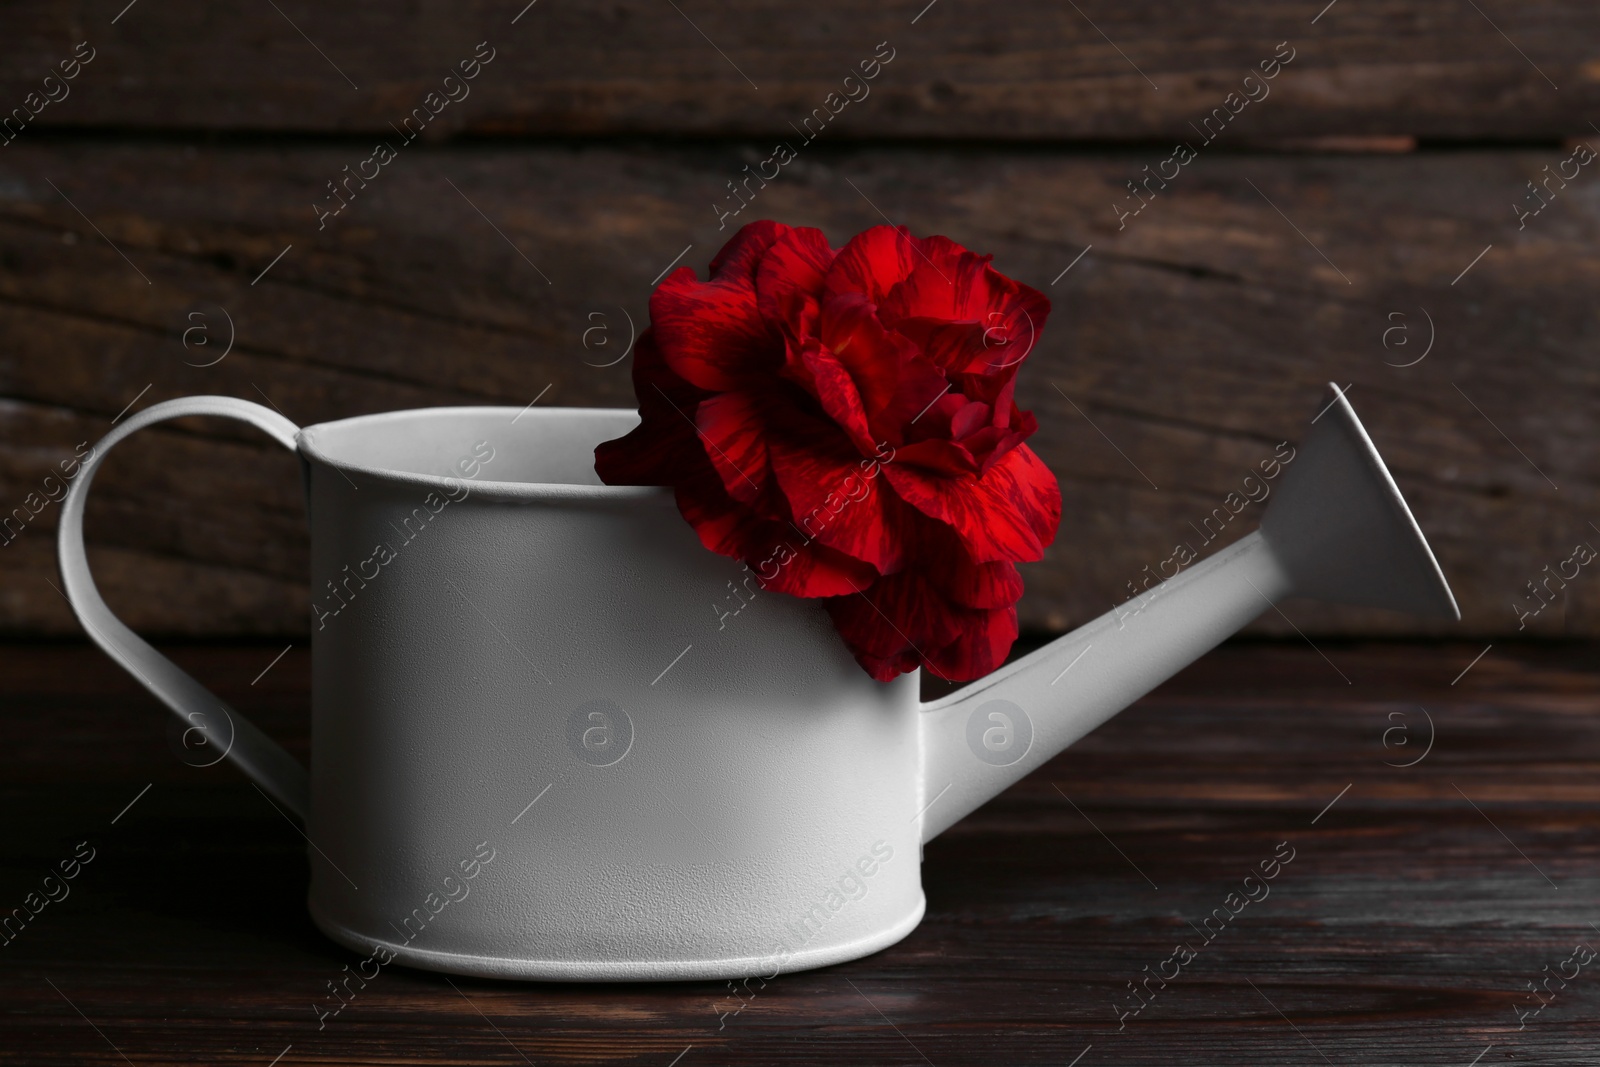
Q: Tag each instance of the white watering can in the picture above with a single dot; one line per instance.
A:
(544, 748)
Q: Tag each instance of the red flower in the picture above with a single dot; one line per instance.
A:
(843, 423)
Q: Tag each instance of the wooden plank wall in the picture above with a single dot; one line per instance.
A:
(1366, 204)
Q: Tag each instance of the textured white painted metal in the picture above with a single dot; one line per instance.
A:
(555, 738)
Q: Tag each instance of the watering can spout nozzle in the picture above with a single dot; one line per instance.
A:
(1336, 529)
(1340, 526)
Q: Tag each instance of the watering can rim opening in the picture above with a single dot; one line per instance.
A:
(603, 423)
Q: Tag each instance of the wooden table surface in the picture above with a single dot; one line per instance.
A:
(1420, 903)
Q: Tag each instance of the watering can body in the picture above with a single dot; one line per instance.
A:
(555, 738)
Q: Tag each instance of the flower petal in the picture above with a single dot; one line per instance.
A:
(902, 620)
(762, 536)
(967, 316)
(872, 263)
(651, 452)
(985, 641)
(741, 256)
(789, 278)
(814, 570)
(781, 560)
(946, 457)
(897, 613)
(733, 431)
(836, 391)
(1009, 513)
(948, 282)
(989, 586)
(838, 498)
(712, 333)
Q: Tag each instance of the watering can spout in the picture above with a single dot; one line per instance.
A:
(1336, 529)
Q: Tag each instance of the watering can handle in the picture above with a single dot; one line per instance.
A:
(260, 757)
